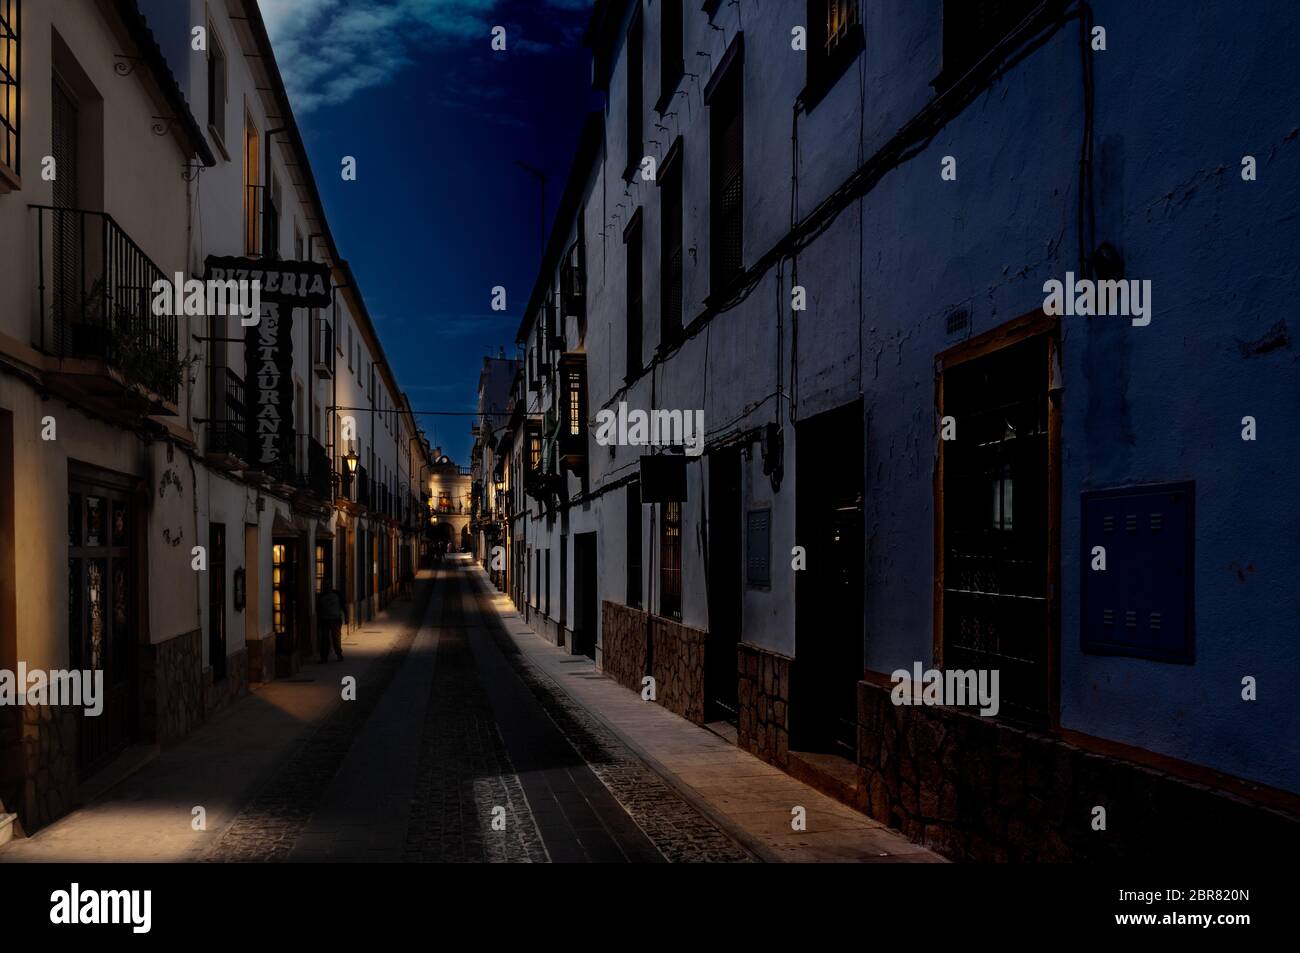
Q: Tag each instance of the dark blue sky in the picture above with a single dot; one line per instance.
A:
(440, 212)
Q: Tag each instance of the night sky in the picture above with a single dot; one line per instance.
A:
(440, 211)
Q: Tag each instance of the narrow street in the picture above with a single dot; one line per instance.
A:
(453, 727)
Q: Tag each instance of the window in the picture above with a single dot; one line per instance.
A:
(216, 87)
(321, 550)
(670, 562)
(834, 41)
(252, 201)
(633, 242)
(670, 261)
(972, 29)
(575, 406)
(671, 66)
(633, 537)
(726, 179)
(635, 142)
(10, 93)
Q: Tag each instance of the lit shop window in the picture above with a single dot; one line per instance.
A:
(278, 583)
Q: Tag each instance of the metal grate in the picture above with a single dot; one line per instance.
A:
(995, 525)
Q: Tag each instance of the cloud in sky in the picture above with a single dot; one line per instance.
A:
(329, 50)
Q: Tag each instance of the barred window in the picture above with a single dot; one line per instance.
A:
(834, 40)
(10, 77)
(670, 566)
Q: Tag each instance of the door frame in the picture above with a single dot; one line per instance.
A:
(1021, 329)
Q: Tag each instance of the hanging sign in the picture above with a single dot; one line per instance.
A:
(268, 346)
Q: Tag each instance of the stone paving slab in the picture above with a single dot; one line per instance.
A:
(750, 799)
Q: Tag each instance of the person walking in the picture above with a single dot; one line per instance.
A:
(331, 615)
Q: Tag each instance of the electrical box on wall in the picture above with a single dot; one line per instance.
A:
(1141, 603)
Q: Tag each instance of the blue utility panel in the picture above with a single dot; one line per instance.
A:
(1141, 604)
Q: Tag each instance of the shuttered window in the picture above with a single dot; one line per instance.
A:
(634, 99)
(727, 180)
(670, 182)
(758, 548)
(671, 65)
(634, 282)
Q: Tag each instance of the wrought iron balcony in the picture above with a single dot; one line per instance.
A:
(96, 303)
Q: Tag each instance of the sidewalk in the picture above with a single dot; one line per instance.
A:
(748, 798)
(148, 816)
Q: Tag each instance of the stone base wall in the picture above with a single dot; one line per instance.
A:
(677, 664)
(978, 789)
(261, 660)
(763, 728)
(49, 782)
(217, 695)
(171, 688)
(623, 656)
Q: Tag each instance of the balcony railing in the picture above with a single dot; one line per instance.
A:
(228, 426)
(96, 300)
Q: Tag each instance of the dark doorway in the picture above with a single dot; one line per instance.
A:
(828, 606)
(217, 600)
(586, 607)
(995, 612)
(101, 611)
(725, 593)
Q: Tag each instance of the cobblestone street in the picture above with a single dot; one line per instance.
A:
(456, 749)
(470, 739)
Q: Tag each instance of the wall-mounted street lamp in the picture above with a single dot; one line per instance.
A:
(352, 459)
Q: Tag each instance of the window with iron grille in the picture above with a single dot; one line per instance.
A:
(973, 27)
(726, 121)
(635, 84)
(670, 279)
(216, 86)
(834, 40)
(633, 538)
(634, 282)
(671, 64)
(10, 80)
(670, 562)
